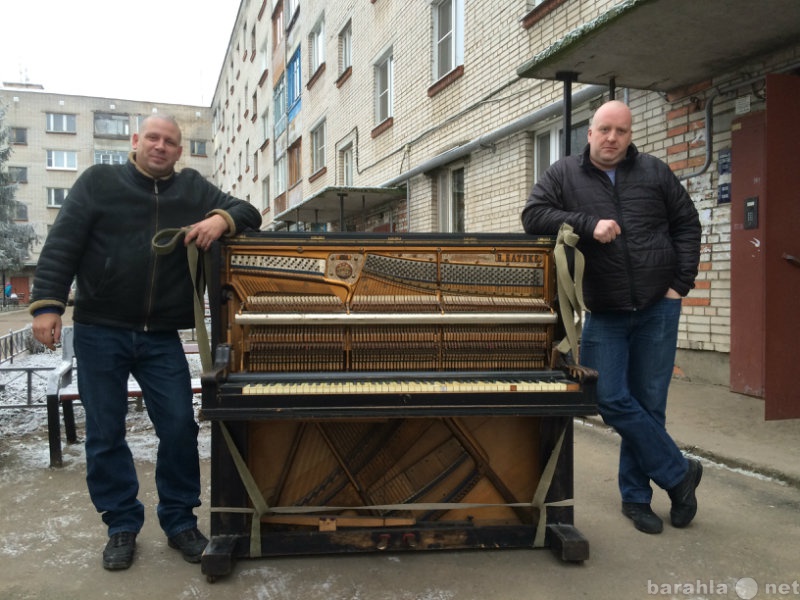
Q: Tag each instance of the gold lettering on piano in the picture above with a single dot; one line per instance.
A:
(515, 257)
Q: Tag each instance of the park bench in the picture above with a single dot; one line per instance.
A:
(62, 391)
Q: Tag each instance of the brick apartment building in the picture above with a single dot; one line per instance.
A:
(439, 115)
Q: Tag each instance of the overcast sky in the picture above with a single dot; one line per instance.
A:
(153, 50)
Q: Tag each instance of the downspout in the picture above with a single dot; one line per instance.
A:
(521, 124)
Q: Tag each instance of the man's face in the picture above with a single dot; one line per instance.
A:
(610, 135)
(157, 146)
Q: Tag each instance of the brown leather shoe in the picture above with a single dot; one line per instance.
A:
(684, 501)
(643, 517)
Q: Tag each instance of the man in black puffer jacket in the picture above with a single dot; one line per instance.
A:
(640, 234)
(130, 304)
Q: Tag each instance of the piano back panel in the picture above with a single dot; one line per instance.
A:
(365, 462)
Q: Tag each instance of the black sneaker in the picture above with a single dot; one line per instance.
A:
(118, 553)
(684, 501)
(190, 542)
(643, 517)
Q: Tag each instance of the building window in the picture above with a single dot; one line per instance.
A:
(265, 125)
(197, 147)
(265, 194)
(384, 77)
(448, 31)
(110, 157)
(279, 106)
(18, 174)
(316, 41)
(318, 147)
(280, 175)
(346, 162)
(61, 123)
(294, 85)
(549, 145)
(346, 48)
(451, 200)
(277, 26)
(295, 166)
(21, 212)
(291, 12)
(19, 136)
(62, 159)
(112, 126)
(56, 196)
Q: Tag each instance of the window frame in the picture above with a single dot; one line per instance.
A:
(294, 157)
(116, 157)
(18, 136)
(23, 171)
(280, 173)
(52, 200)
(54, 165)
(318, 145)
(294, 85)
(384, 70)
(450, 201)
(119, 126)
(554, 143)
(346, 47)
(198, 147)
(316, 45)
(68, 123)
(452, 41)
(279, 106)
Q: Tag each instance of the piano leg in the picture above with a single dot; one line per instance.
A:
(217, 559)
(567, 543)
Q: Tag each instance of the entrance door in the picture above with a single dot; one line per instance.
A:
(782, 249)
(765, 251)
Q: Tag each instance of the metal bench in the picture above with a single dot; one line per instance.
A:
(62, 391)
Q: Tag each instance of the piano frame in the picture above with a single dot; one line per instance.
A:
(244, 425)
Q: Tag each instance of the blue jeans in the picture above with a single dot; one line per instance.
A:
(634, 354)
(106, 357)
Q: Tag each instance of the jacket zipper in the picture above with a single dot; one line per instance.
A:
(149, 310)
(623, 240)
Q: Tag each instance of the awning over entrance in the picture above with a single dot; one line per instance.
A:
(337, 204)
(666, 44)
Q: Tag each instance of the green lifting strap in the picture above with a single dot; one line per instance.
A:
(173, 237)
(570, 290)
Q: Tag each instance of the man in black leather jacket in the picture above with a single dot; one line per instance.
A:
(640, 234)
(129, 306)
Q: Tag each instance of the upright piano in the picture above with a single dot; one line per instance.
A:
(375, 392)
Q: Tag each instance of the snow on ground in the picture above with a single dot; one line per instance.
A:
(26, 428)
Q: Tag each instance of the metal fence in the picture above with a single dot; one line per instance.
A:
(15, 343)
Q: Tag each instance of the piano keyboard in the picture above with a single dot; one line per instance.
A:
(443, 386)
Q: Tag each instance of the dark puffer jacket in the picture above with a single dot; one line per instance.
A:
(103, 234)
(659, 247)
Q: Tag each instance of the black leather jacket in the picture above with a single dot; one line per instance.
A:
(103, 235)
(659, 247)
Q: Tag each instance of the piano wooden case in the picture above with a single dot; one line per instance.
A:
(388, 392)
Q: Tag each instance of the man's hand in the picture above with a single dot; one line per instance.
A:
(606, 231)
(206, 231)
(47, 329)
